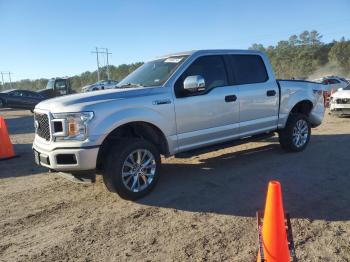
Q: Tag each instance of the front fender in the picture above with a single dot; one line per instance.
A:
(164, 120)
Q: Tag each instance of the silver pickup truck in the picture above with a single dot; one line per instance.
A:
(169, 105)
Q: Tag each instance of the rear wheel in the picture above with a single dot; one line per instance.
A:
(132, 168)
(296, 135)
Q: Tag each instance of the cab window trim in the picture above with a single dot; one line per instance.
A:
(234, 69)
(207, 91)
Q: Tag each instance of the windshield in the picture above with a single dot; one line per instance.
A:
(60, 84)
(153, 73)
(50, 84)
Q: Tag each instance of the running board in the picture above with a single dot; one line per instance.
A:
(223, 145)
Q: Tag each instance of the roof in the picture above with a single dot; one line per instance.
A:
(8, 90)
(58, 78)
(211, 51)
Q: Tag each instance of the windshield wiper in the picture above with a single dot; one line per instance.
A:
(130, 85)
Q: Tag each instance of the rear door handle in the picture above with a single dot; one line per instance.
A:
(271, 93)
(230, 98)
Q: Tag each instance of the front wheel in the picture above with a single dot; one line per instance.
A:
(132, 168)
(296, 134)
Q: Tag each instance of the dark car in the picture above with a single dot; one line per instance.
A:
(21, 99)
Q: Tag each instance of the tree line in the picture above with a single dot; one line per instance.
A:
(304, 55)
(78, 81)
(301, 56)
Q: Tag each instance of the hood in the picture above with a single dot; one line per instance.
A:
(85, 87)
(42, 90)
(86, 101)
(342, 94)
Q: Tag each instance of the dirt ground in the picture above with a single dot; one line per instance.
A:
(203, 208)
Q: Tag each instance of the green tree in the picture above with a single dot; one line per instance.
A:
(301, 55)
(340, 53)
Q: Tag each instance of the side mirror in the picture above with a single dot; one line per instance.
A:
(194, 83)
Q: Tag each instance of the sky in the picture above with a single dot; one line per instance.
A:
(44, 39)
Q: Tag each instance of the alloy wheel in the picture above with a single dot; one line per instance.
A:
(300, 133)
(138, 170)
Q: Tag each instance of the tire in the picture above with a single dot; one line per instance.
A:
(129, 179)
(296, 134)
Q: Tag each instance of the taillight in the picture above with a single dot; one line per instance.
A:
(325, 98)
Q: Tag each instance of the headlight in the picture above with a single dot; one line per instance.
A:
(332, 100)
(71, 126)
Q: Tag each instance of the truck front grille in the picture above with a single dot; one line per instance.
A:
(343, 101)
(42, 126)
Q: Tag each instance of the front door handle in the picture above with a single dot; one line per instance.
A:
(271, 93)
(161, 102)
(230, 98)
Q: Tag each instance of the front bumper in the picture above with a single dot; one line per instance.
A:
(340, 109)
(67, 159)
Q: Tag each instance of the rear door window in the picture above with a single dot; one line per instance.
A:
(31, 94)
(16, 93)
(248, 69)
(333, 81)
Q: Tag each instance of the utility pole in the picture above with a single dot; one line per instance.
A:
(2, 79)
(105, 52)
(10, 80)
(98, 63)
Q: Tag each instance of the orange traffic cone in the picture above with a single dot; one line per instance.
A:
(6, 148)
(273, 240)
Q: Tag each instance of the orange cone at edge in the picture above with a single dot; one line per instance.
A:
(6, 147)
(274, 235)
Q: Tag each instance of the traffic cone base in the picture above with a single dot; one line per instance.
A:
(6, 147)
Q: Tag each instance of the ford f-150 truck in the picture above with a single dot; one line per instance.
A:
(169, 105)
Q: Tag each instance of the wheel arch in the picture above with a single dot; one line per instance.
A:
(304, 107)
(135, 129)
